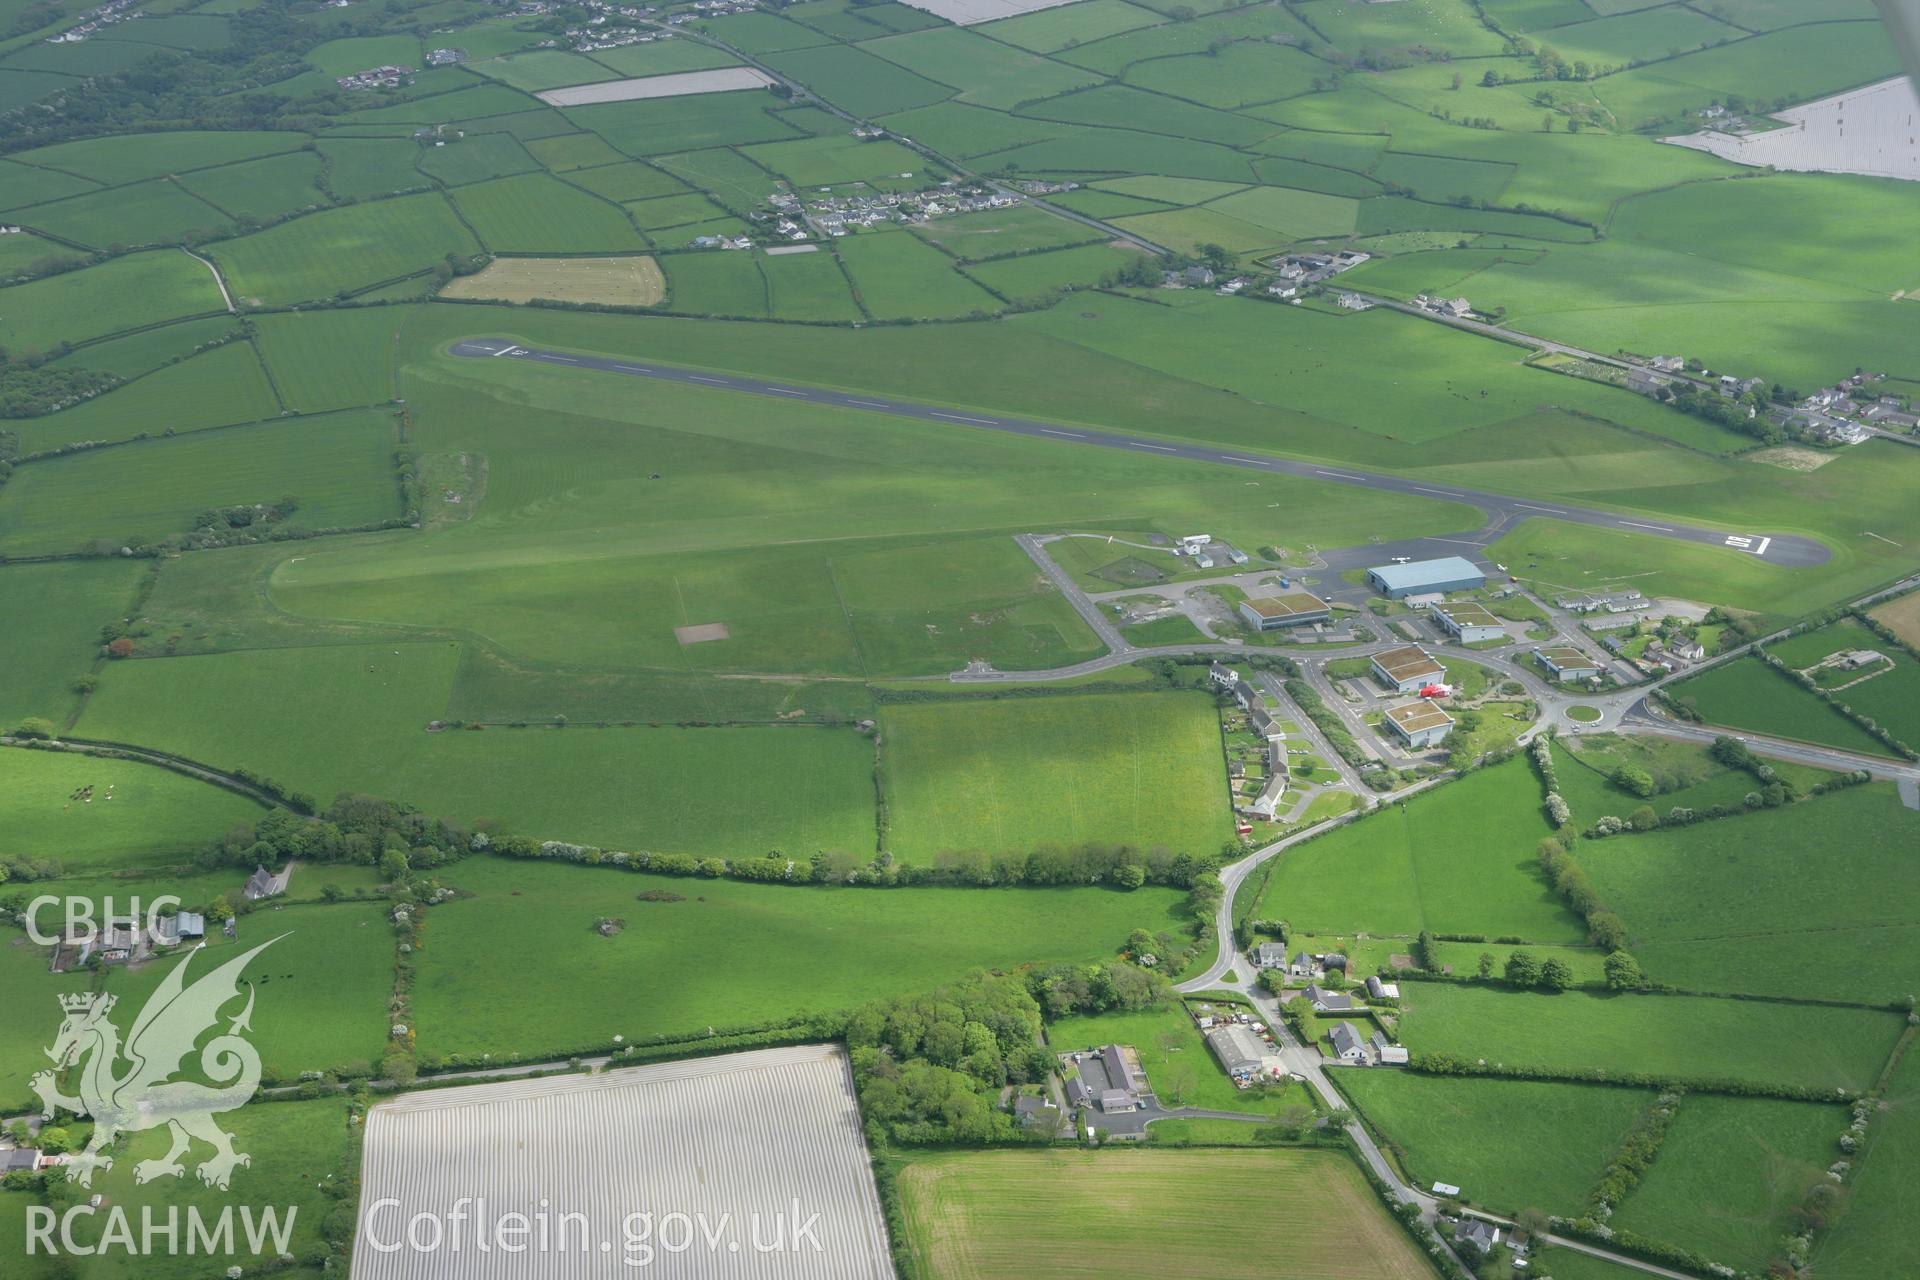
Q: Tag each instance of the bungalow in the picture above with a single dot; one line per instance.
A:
(1382, 990)
(1347, 1044)
(1270, 955)
(1325, 1001)
(1118, 1101)
(1406, 669)
(1564, 662)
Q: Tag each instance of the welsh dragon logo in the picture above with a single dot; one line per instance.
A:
(139, 1095)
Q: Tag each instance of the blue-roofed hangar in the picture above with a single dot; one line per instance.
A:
(1418, 577)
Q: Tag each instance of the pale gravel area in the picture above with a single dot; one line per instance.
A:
(966, 13)
(1873, 130)
(681, 83)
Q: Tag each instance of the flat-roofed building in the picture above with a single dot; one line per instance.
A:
(1449, 573)
(1421, 724)
(1469, 622)
(1293, 609)
(1407, 668)
(1564, 662)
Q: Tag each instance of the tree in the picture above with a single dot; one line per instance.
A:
(1456, 82)
(55, 1141)
(35, 727)
(1629, 778)
(1555, 975)
(1523, 970)
(220, 910)
(1491, 80)
(1643, 818)
(120, 647)
(1129, 876)
(1623, 971)
(1486, 964)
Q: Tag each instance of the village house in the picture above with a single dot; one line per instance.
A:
(1347, 1044)
(1325, 1001)
(1269, 955)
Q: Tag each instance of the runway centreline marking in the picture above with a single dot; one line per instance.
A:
(1071, 435)
(1635, 524)
(1160, 448)
(1251, 462)
(720, 382)
(1533, 507)
(961, 417)
(785, 392)
(870, 404)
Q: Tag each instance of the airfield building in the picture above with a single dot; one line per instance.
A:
(1469, 623)
(1449, 573)
(1420, 724)
(1406, 669)
(1295, 608)
(1564, 662)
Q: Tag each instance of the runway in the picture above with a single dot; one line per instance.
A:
(1502, 511)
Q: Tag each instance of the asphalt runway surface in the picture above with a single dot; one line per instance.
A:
(1502, 511)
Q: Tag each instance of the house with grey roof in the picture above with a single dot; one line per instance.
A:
(1270, 955)
(1325, 1001)
(1347, 1044)
(1477, 1234)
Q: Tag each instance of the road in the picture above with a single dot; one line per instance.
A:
(1501, 510)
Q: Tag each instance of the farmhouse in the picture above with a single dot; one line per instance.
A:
(1242, 1053)
(1347, 1044)
(1296, 608)
(266, 884)
(1469, 623)
(1449, 573)
(1325, 1001)
(1270, 955)
(1564, 662)
(1477, 1234)
(1406, 669)
(1421, 724)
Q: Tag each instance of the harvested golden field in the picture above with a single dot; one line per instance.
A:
(1265, 1214)
(1902, 617)
(620, 282)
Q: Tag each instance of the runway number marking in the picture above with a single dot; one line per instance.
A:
(1742, 543)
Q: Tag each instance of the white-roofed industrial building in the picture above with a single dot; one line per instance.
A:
(1293, 609)
(750, 1135)
(1421, 724)
(1407, 668)
(1449, 573)
(1468, 622)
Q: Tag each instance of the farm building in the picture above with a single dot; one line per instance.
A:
(1564, 662)
(1421, 724)
(1449, 573)
(1406, 669)
(1386, 1053)
(1382, 990)
(1242, 1052)
(1296, 608)
(1347, 1044)
(1469, 623)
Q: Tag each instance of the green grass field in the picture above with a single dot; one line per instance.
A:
(297, 1150)
(340, 469)
(901, 277)
(1460, 860)
(70, 603)
(331, 359)
(1729, 1175)
(124, 293)
(1746, 694)
(216, 388)
(1872, 1238)
(1022, 1214)
(134, 157)
(342, 249)
(838, 948)
(537, 213)
(1728, 906)
(1507, 1144)
(1672, 1037)
(135, 813)
(1140, 769)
